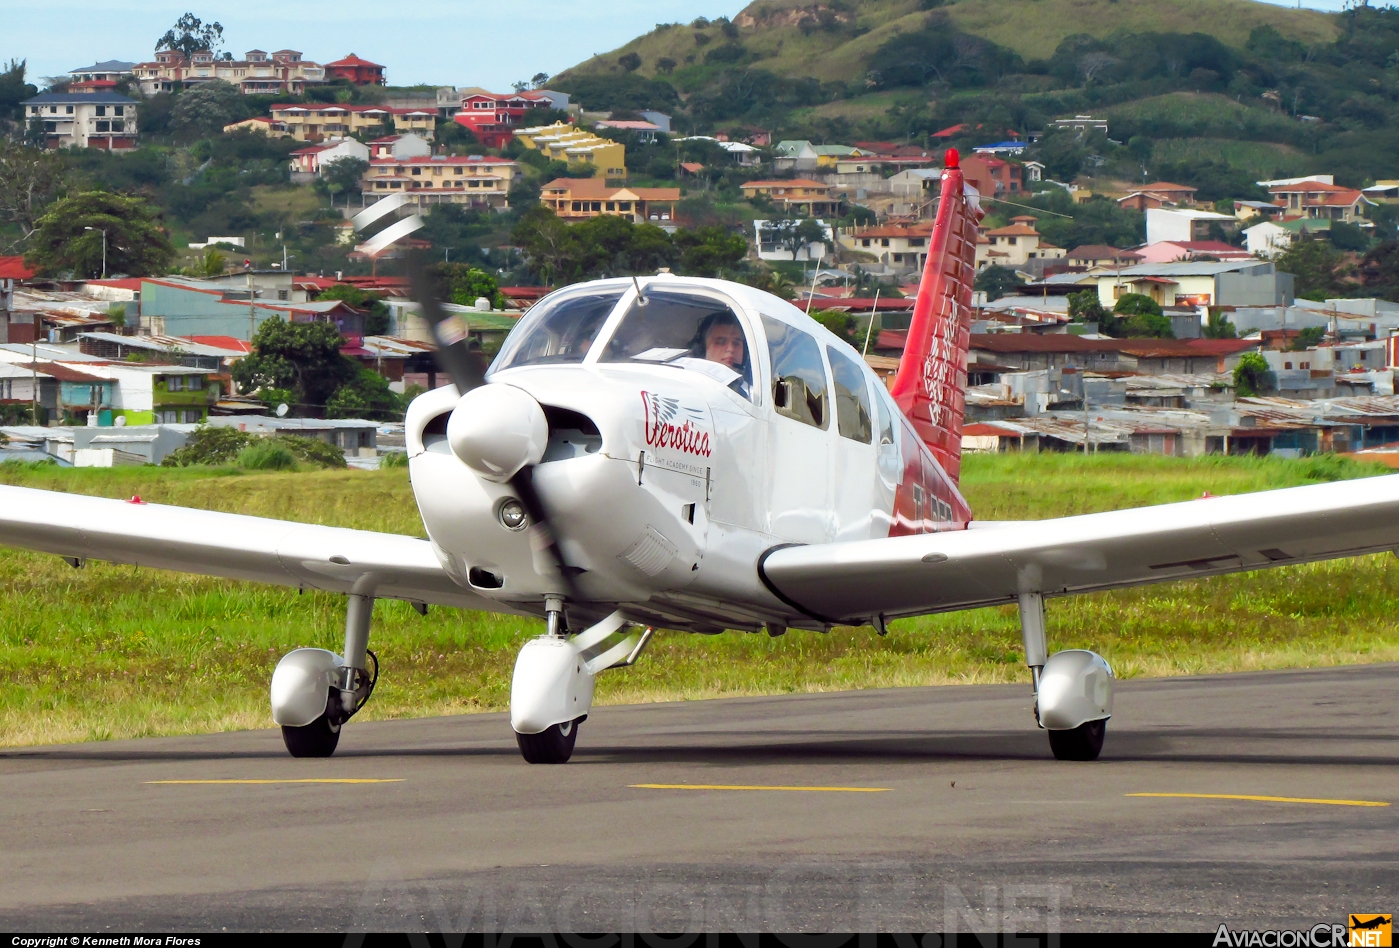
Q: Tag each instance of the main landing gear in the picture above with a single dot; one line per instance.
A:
(1073, 689)
(315, 691)
(552, 688)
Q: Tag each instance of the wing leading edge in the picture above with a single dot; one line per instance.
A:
(232, 546)
(993, 563)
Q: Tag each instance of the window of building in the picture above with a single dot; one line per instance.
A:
(456, 171)
(191, 416)
(884, 242)
(69, 110)
(417, 171)
(174, 383)
(612, 205)
(101, 110)
(1010, 241)
(194, 383)
(852, 397)
(595, 206)
(104, 126)
(798, 374)
(624, 205)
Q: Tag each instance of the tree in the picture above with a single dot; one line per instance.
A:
(1217, 326)
(1252, 375)
(302, 358)
(344, 176)
(29, 179)
(1140, 317)
(464, 284)
(1379, 270)
(666, 65)
(365, 395)
(206, 109)
(997, 281)
(69, 237)
(211, 264)
(1313, 264)
(1308, 338)
(1085, 307)
(191, 35)
(14, 90)
(631, 62)
(376, 312)
(706, 251)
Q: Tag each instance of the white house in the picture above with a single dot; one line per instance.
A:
(766, 233)
(313, 158)
(102, 120)
(1268, 239)
(400, 146)
(1177, 224)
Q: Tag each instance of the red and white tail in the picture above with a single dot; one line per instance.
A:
(931, 383)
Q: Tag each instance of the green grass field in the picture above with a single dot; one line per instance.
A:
(119, 651)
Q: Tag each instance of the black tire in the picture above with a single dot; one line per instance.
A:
(317, 739)
(1084, 742)
(553, 745)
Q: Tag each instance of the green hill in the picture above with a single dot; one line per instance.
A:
(1216, 91)
(837, 41)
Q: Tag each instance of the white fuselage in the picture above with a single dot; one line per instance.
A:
(664, 487)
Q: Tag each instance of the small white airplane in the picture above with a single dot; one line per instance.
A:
(697, 455)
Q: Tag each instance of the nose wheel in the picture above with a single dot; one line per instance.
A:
(317, 739)
(553, 745)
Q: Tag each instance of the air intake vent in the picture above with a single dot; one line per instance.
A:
(650, 554)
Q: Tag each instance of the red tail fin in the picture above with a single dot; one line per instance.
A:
(930, 386)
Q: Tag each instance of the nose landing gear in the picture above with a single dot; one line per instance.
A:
(551, 691)
(1073, 689)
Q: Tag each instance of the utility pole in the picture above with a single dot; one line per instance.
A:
(252, 303)
(34, 367)
(104, 248)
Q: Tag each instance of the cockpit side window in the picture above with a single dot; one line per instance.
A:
(798, 374)
(686, 330)
(557, 332)
(852, 397)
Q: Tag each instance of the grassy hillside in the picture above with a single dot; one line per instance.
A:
(118, 651)
(794, 39)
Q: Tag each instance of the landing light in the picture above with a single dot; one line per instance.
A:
(512, 515)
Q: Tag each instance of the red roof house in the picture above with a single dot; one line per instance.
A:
(359, 71)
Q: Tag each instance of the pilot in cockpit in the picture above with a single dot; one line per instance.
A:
(720, 339)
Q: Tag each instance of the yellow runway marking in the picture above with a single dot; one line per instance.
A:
(722, 786)
(1244, 796)
(298, 780)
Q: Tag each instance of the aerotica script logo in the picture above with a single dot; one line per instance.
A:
(666, 429)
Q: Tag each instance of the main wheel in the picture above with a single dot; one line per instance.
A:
(317, 739)
(1084, 742)
(553, 745)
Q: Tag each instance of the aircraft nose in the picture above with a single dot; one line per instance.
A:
(496, 430)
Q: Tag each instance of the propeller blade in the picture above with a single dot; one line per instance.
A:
(542, 537)
(464, 365)
(467, 369)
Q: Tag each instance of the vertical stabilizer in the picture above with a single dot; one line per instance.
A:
(930, 387)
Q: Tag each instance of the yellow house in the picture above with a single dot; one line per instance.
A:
(575, 199)
(564, 142)
(315, 121)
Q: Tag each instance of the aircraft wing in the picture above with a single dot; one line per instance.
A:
(993, 563)
(256, 549)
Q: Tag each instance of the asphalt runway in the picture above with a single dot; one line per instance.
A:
(974, 825)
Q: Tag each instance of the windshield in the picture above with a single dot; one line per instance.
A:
(688, 330)
(557, 331)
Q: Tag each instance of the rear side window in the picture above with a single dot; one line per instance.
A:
(799, 388)
(557, 332)
(852, 397)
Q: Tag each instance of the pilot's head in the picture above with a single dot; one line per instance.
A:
(720, 339)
